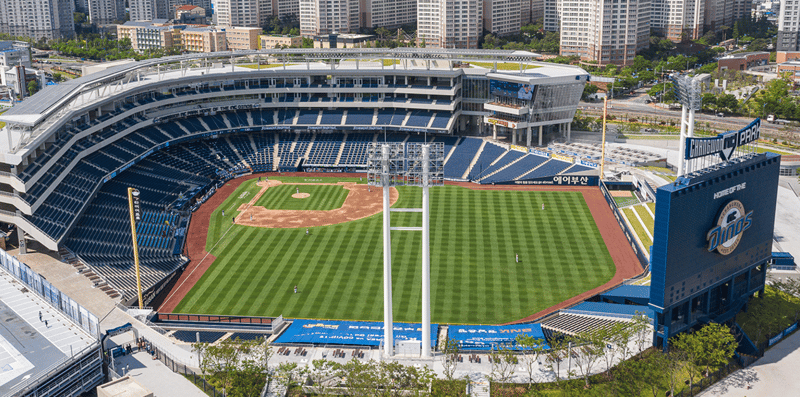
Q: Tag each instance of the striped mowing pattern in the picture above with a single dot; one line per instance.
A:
(474, 278)
(323, 197)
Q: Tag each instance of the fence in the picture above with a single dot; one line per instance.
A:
(709, 380)
(640, 252)
(181, 369)
(57, 299)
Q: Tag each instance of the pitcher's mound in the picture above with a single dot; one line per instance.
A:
(301, 195)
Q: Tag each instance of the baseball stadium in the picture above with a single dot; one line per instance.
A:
(251, 168)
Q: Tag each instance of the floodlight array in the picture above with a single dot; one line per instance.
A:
(688, 91)
(385, 169)
(415, 175)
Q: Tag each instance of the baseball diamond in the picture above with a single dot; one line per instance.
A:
(475, 237)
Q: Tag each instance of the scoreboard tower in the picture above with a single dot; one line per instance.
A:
(712, 239)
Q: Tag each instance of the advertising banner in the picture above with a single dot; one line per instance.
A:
(514, 90)
(500, 122)
(562, 157)
(484, 337)
(540, 153)
(356, 333)
(559, 180)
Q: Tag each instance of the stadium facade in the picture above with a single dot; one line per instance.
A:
(175, 127)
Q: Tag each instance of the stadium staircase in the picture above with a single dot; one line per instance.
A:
(474, 160)
(572, 323)
(276, 158)
(450, 152)
(97, 282)
(341, 150)
(307, 154)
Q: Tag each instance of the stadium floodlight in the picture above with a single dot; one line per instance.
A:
(387, 168)
(426, 169)
(688, 90)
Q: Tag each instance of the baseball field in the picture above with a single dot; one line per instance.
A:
(260, 250)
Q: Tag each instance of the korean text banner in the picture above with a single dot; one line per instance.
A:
(349, 332)
(483, 337)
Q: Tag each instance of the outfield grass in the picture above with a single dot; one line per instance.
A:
(652, 207)
(646, 217)
(474, 278)
(323, 197)
(638, 228)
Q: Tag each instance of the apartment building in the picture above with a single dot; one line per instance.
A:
(206, 39)
(537, 11)
(502, 17)
(49, 19)
(387, 13)
(103, 12)
(249, 13)
(449, 23)
(678, 20)
(789, 31)
(606, 32)
(320, 17)
(242, 38)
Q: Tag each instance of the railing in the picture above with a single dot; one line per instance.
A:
(215, 318)
(644, 261)
(52, 369)
(55, 298)
(180, 368)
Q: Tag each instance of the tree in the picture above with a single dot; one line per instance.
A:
(591, 347)
(588, 90)
(503, 361)
(531, 349)
(450, 352)
(674, 363)
(33, 87)
(719, 345)
(557, 352)
(727, 101)
(709, 101)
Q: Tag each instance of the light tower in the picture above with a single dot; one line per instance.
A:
(687, 89)
(387, 168)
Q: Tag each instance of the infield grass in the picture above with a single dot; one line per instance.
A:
(474, 277)
(322, 197)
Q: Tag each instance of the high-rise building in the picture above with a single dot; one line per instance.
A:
(148, 10)
(789, 31)
(387, 13)
(678, 20)
(284, 8)
(551, 14)
(525, 8)
(51, 19)
(537, 11)
(502, 17)
(720, 13)
(250, 13)
(319, 17)
(605, 32)
(104, 12)
(449, 23)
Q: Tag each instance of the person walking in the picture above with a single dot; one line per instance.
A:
(233, 219)
(295, 289)
(517, 257)
(306, 231)
(298, 190)
(542, 206)
(223, 212)
(40, 315)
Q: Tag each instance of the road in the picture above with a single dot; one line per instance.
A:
(634, 107)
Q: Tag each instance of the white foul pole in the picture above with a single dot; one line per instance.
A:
(682, 144)
(426, 253)
(388, 323)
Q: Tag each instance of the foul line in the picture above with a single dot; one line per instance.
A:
(178, 288)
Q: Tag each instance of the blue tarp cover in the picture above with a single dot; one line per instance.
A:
(629, 291)
(483, 337)
(357, 333)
